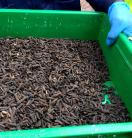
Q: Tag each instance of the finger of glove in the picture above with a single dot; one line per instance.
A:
(116, 28)
(128, 30)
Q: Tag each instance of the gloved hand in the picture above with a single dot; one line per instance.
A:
(121, 21)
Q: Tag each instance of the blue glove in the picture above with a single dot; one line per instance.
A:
(121, 21)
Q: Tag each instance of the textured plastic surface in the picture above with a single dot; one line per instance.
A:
(25, 23)
(119, 61)
(75, 25)
(122, 130)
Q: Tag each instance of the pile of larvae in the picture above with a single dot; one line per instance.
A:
(54, 83)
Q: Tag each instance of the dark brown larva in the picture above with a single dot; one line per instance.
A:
(52, 83)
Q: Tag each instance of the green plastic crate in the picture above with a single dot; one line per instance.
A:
(75, 25)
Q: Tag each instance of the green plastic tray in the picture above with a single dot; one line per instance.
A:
(75, 25)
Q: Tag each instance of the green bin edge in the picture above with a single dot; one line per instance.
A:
(75, 25)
